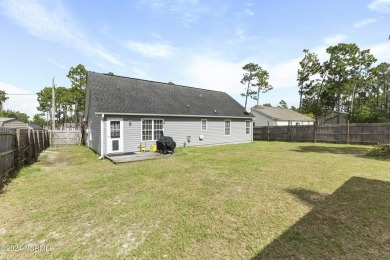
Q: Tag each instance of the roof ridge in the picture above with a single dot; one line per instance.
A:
(154, 81)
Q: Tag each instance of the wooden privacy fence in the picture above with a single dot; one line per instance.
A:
(345, 133)
(62, 138)
(20, 147)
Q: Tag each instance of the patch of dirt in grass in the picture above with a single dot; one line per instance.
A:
(52, 157)
(129, 242)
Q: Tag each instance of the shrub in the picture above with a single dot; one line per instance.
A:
(380, 151)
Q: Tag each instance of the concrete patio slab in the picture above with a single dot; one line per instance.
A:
(135, 156)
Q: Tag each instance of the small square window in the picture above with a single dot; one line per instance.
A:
(227, 127)
(204, 124)
(248, 127)
(115, 127)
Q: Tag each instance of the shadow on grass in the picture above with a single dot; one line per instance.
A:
(352, 223)
(360, 151)
(4, 181)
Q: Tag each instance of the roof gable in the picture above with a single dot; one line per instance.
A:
(12, 123)
(122, 95)
(281, 114)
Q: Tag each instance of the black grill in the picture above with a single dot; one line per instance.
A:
(165, 144)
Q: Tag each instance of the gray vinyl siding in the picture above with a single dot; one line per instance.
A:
(15, 124)
(132, 134)
(262, 120)
(94, 128)
(105, 136)
(179, 128)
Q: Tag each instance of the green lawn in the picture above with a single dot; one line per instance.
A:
(262, 200)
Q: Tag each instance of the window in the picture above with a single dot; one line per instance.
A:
(115, 127)
(227, 127)
(248, 127)
(147, 126)
(204, 124)
(158, 128)
(152, 129)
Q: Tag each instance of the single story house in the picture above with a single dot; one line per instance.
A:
(35, 127)
(277, 116)
(331, 118)
(123, 113)
(12, 123)
(70, 127)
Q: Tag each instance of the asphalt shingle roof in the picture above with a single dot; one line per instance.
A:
(282, 114)
(116, 94)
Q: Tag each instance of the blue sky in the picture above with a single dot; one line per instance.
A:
(195, 43)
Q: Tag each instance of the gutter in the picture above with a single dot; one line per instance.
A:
(101, 137)
(252, 131)
(173, 115)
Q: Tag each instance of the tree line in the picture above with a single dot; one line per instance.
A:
(347, 82)
(69, 102)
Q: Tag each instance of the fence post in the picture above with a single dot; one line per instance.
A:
(268, 131)
(36, 152)
(17, 147)
(29, 150)
(39, 143)
(288, 131)
(43, 140)
(347, 131)
(315, 132)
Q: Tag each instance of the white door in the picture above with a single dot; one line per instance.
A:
(114, 135)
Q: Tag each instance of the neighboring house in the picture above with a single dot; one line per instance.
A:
(121, 113)
(12, 123)
(277, 116)
(331, 118)
(70, 126)
(35, 126)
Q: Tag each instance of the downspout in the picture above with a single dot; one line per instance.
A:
(252, 130)
(101, 137)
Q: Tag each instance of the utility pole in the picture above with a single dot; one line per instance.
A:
(53, 102)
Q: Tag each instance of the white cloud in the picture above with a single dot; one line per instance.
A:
(152, 50)
(215, 73)
(56, 63)
(50, 21)
(365, 22)
(249, 12)
(187, 11)
(334, 39)
(206, 71)
(381, 51)
(23, 103)
(219, 74)
(284, 74)
(239, 31)
(382, 6)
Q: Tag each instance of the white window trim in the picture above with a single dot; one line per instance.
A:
(142, 119)
(230, 127)
(201, 124)
(248, 127)
(109, 138)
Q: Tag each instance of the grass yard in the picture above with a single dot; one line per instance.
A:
(261, 200)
